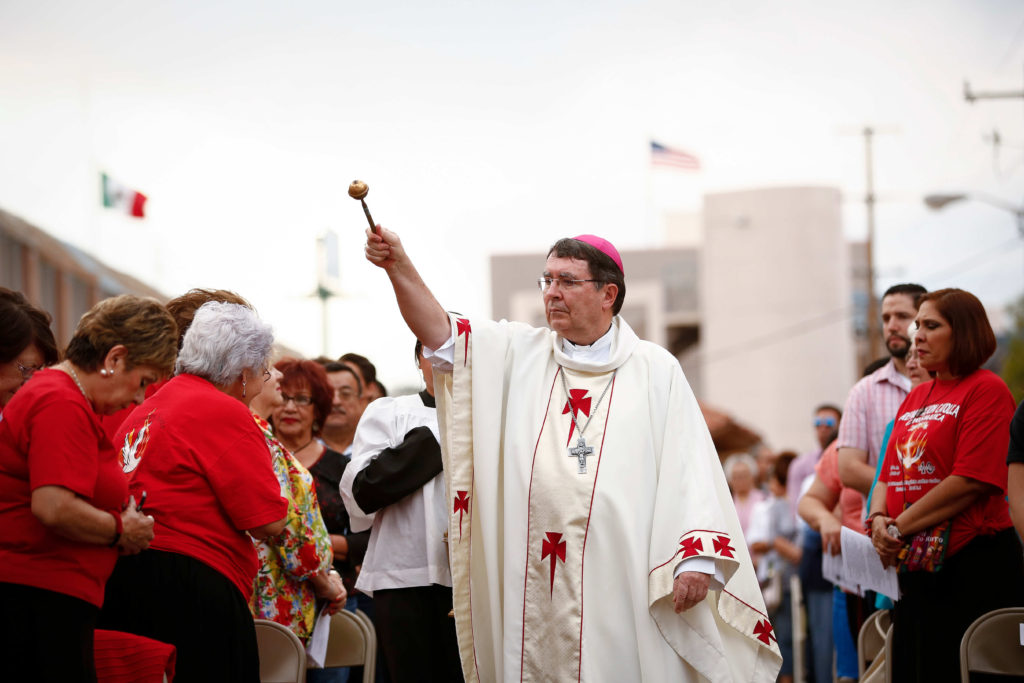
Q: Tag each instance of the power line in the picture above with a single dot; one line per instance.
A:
(845, 313)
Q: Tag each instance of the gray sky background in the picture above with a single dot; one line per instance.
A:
(495, 127)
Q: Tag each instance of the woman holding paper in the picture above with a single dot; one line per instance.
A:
(940, 499)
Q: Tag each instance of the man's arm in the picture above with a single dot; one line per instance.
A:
(421, 311)
(854, 470)
(1015, 489)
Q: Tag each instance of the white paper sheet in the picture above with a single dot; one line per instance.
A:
(862, 565)
(316, 648)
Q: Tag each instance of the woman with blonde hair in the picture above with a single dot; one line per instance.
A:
(67, 513)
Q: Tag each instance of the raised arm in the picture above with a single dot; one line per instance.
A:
(421, 311)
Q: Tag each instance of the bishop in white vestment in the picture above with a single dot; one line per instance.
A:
(585, 493)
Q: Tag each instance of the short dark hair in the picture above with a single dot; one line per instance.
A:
(914, 291)
(380, 387)
(417, 351)
(313, 375)
(602, 267)
(366, 368)
(780, 470)
(184, 307)
(829, 406)
(876, 364)
(22, 324)
(335, 366)
(974, 342)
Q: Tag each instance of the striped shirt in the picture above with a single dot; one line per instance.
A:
(871, 404)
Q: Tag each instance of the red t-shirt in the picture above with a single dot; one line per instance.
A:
(49, 435)
(112, 423)
(957, 427)
(206, 469)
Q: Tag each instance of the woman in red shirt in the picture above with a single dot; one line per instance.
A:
(66, 512)
(26, 342)
(194, 447)
(939, 510)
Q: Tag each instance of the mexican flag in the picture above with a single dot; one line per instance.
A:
(117, 196)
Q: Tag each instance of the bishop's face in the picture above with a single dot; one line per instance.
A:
(581, 312)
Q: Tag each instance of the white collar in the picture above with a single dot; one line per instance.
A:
(598, 352)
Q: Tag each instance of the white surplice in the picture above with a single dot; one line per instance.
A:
(560, 575)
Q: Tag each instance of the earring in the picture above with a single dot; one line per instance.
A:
(243, 386)
(103, 371)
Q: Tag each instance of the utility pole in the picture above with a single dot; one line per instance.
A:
(873, 330)
(327, 280)
(869, 203)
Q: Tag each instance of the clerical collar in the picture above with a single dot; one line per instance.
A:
(598, 352)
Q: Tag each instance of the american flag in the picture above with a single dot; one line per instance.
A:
(673, 158)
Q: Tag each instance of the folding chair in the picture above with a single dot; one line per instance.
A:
(994, 644)
(282, 655)
(871, 639)
(370, 668)
(349, 644)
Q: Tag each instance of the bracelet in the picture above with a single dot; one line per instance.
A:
(119, 529)
(871, 518)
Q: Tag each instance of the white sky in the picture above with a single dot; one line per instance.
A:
(487, 127)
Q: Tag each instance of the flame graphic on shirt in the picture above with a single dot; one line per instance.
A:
(913, 448)
(134, 447)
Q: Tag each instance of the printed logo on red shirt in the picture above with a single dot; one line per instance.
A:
(134, 447)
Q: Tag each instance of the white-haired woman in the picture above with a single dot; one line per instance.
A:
(740, 471)
(194, 454)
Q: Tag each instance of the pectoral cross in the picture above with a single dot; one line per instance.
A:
(580, 451)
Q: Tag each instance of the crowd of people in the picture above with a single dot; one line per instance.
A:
(167, 476)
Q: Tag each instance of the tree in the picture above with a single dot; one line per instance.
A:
(1012, 370)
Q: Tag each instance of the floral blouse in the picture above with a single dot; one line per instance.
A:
(282, 591)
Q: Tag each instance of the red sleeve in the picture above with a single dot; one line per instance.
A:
(983, 433)
(827, 470)
(63, 447)
(244, 482)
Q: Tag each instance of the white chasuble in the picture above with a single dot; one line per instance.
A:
(562, 563)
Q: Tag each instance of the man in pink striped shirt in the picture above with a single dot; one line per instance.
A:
(873, 401)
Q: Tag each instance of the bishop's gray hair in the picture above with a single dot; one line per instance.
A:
(223, 340)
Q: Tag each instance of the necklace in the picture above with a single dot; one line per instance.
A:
(925, 404)
(303, 446)
(74, 376)
(581, 450)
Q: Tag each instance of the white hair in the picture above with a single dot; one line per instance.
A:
(222, 341)
(736, 459)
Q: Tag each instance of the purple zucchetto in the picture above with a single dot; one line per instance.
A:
(604, 246)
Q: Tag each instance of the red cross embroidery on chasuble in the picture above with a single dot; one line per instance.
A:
(576, 403)
(763, 631)
(554, 547)
(723, 548)
(691, 546)
(462, 327)
(461, 505)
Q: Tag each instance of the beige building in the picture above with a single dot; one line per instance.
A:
(60, 278)
(776, 305)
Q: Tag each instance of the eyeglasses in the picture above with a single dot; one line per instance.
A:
(565, 283)
(27, 370)
(346, 393)
(300, 401)
(266, 374)
(824, 422)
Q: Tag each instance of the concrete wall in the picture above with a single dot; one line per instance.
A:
(775, 304)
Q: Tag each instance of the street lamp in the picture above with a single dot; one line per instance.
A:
(937, 202)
